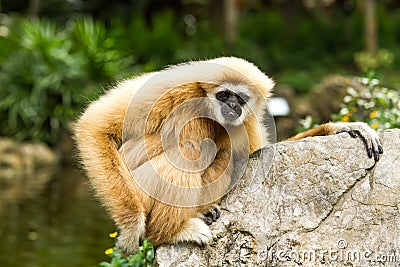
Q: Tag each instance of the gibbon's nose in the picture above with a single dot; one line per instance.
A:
(231, 114)
(232, 104)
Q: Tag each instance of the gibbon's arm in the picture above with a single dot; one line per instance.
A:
(138, 151)
(98, 134)
(355, 129)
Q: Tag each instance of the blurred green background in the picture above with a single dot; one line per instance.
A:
(58, 55)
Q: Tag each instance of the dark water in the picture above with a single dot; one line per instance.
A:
(52, 219)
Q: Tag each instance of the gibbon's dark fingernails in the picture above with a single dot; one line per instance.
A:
(364, 141)
(352, 133)
(376, 156)
(380, 149)
(207, 220)
(217, 213)
(369, 151)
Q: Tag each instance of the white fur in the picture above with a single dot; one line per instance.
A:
(130, 239)
(196, 230)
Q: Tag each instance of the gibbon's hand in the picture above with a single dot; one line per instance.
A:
(212, 215)
(362, 130)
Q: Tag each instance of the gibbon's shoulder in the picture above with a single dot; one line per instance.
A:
(218, 70)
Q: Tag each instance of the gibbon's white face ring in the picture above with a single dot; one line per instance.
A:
(150, 176)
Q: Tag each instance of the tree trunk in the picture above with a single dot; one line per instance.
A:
(34, 7)
(231, 13)
(371, 38)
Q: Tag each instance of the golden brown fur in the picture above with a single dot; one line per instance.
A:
(119, 140)
(108, 161)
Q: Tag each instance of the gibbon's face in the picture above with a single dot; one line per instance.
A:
(233, 104)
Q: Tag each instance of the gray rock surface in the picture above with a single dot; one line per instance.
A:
(315, 202)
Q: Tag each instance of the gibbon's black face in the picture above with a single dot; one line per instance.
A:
(232, 103)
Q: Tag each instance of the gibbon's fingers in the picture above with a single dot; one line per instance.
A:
(369, 136)
(207, 220)
(212, 215)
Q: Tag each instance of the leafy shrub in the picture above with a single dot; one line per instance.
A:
(376, 105)
(371, 103)
(38, 83)
(103, 58)
(156, 45)
(51, 73)
(367, 62)
(143, 258)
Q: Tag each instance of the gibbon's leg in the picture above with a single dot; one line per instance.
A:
(219, 176)
(174, 222)
(98, 135)
(355, 129)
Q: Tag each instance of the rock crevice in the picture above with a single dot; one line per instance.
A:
(314, 202)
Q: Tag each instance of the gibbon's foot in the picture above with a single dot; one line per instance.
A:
(195, 231)
(366, 134)
(130, 237)
(127, 246)
(212, 215)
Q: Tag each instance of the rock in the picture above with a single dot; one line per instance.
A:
(317, 201)
(22, 159)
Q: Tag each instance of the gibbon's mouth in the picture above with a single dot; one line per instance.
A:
(230, 114)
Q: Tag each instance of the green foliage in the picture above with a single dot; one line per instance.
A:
(367, 62)
(374, 104)
(103, 59)
(300, 53)
(302, 81)
(371, 103)
(306, 124)
(143, 258)
(50, 73)
(38, 83)
(155, 46)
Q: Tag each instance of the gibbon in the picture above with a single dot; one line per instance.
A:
(161, 149)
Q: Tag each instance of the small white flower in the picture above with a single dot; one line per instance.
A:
(347, 99)
(374, 82)
(352, 92)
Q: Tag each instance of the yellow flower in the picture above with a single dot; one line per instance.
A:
(112, 235)
(109, 251)
(354, 109)
(374, 126)
(373, 114)
(345, 118)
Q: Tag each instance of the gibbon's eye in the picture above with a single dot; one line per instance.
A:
(242, 98)
(223, 95)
